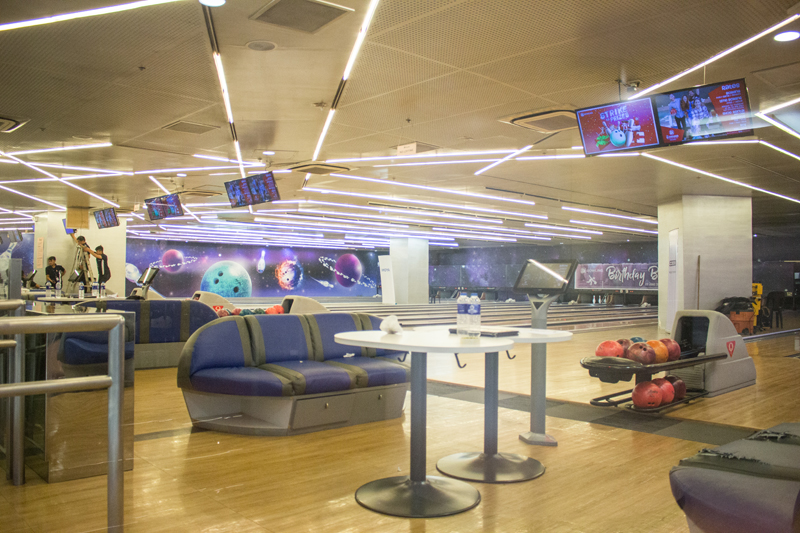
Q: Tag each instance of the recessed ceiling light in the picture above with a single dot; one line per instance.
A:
(268, 152)
(212, 3)
(181, 175)
(261, 46)
(787, 36)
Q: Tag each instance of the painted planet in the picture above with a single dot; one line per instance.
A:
(348, 270)
(132, 273)
(228, 279)
(289, 274)
(172, 261)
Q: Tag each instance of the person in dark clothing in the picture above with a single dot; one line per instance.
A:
(54, 271)
(103, 272)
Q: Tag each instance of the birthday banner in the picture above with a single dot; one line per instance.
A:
(628, 276)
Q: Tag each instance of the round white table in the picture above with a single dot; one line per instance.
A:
(419, 495)
(490, 466)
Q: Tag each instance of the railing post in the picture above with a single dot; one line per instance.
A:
(17, 444)
(116, 398)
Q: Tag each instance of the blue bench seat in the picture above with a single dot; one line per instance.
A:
(241, 381)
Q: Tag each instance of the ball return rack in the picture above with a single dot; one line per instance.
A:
(616, 369)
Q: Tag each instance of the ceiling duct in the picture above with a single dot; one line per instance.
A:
(190, 127)
(307, 16)
(547, 122)
(319, 168)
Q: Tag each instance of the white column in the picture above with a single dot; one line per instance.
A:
(410, 270)
(718, 230)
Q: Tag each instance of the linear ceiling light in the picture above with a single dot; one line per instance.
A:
(752, 141)
(543, 157)
(781, 150)
(82, 14)
(226, 160)
(322, 135)
(621, 228)
(176, 170)
(600, 213)
(437, 189)
(716, 57)
(61, 180)
(426, 163)
(436, 204)
(408, 211)
(10, 212)
(778, 124)
(780, 106)
(715, 176)
(85, 169)
(61, 149)
(32, 197)
(418, 156)
(563, 228)
(397, 219)
(506, 158)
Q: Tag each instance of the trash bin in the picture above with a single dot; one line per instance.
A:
(742, 321)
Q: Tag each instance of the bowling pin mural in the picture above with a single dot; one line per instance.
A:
(262, 264)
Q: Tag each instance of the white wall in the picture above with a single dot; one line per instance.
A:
(410, 269)
(56, 242)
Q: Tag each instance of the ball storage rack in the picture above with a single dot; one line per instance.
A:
(616, 369)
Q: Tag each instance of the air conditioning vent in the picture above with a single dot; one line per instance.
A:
(9, 124)
(302, 15)
(320, 168)
(546, 121)
(190, 127)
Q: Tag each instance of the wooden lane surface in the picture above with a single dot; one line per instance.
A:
(599, 479)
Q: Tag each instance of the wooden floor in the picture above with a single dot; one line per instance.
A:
(599, 478)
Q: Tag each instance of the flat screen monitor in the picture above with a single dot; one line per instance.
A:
(106, 218)
(714, 111)
(239, 193)
(164, 207)
(618, 127)
(252, 190)
(147, 276)
(69, 231)
(545, 278)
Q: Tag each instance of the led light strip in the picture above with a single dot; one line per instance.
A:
(62, 148)
(408, 211)
(778, 124)
(780, 106)
(339, 228)
(715, 176)
(86, 169)
(753, 141)
(720, 55)
(622, 228)
(554, 274)
(419, 156)
(600, 213)
(423, 202)
(436, 189)
(226, 160)
(82, 14)
(506, 158)
(176, 170)
(166, 191)
(61, 207)
(324, 218)
(544, 157)
(563, 228)
(402, 220)
(426, 163)
(10, 212)
(62, 181)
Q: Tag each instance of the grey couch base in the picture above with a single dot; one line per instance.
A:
(157, 354)
(293, 415)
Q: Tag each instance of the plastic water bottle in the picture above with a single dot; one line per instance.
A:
(474, 314)
(463, 317)
(95, 289)
(81, 291)
(59, 294)
(102, 290)
(48, 290)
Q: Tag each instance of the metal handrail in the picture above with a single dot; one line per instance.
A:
(11, 305)
(115, 325)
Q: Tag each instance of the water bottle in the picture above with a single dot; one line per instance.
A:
(474, 314)
(59, 294)
(81, 291)
(102, 290)
(461, 324)
(48, 290)
(95, 289)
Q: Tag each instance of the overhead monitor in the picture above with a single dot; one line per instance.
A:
(164, 207)
(255, 189)
(618, 127)
(713, 111)
(147, 276)
(545, 278)
(68, 230)
(106, 218)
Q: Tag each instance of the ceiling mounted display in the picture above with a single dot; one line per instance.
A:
(302, 15)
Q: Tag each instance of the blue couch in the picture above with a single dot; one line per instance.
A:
(285, 374)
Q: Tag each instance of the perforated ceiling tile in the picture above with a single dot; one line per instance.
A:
(378, 143)
(391, 13)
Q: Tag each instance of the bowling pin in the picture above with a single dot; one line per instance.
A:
(261, 265)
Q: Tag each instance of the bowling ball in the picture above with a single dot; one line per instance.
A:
(638, 339)
(279, 309)
(172, 261)
(246, 312)
(271, 311)
(609, 349)
(667, 390)
(223, 312)
(673, 348)
(641, 353)
(236, 311)
(625, 343)
(258, 311)
(662, 354)
(646, 395)
(679, 385)
(228, 279)
(348, 270)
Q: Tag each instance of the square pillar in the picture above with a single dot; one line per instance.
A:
(409, 269)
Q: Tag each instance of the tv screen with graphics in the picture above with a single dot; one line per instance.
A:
(164, 207)
(545, 278)
(147, 276)
(239, 193)
(714, 111)
(106, 218)
(255, 189)
(618, 127)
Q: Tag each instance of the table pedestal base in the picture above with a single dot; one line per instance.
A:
(436, 496)
(539, 439)
(498, 468)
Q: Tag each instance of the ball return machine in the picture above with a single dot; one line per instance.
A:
(543, 283)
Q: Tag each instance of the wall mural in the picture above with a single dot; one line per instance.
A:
(251, 271)
(17, 250)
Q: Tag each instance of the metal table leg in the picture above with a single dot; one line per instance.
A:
(490, 466)
(418, 495)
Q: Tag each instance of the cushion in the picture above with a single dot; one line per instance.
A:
(279, 338)
(324, 326)
(241, 381)
(372, 372)
(313, 377)
(82, 352)
(224, 343)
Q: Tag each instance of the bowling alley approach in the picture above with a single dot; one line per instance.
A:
(379, 265)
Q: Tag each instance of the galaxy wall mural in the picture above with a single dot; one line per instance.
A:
(251, 271)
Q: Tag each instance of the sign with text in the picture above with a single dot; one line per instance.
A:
(617, 127)
(627, 276)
